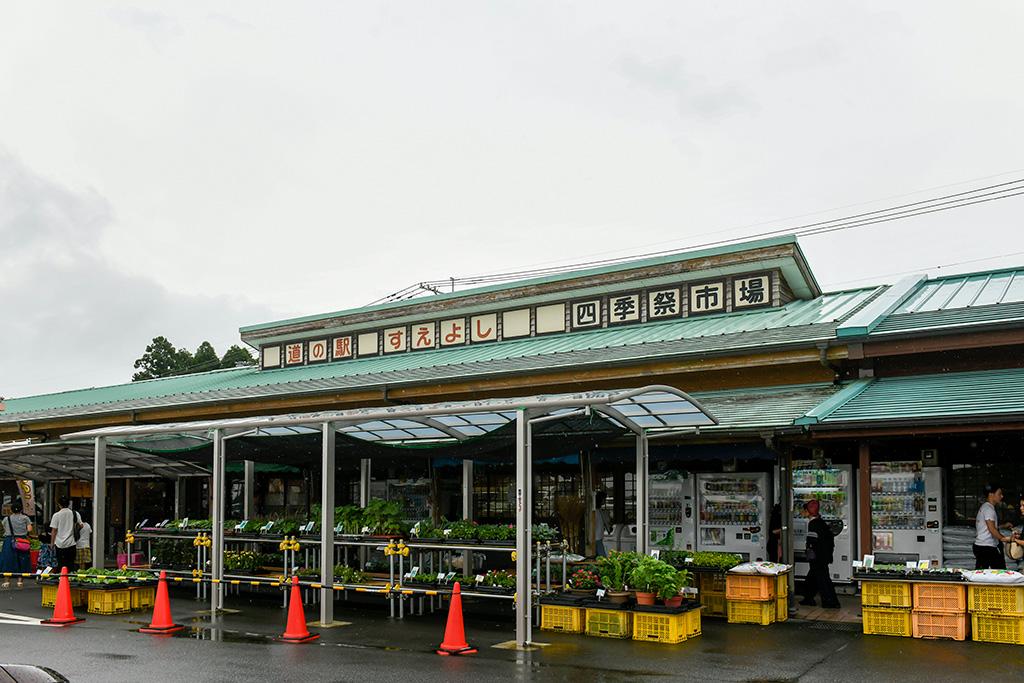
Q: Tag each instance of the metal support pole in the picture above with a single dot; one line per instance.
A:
(364, 482)
(786, 502)
(523, 535)
(99, 504)
(249, 489)
(217, 551)
(642, 537)
(127, 504)
(467, 490)
(179, 484)
(326, 526)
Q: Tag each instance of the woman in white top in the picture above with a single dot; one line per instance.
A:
(988, 553)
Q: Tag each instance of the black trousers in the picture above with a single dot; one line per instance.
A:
(66, 557)
(989, 557)
(819, 580)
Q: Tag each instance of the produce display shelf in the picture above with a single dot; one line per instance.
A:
(886, 594)
(995, 599)
(760, 612)
(949, 625)
(887, 622)
(998, 629)
(940, 597)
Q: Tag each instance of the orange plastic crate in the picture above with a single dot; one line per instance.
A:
(940, 625)
(940, 597)
(750, 587)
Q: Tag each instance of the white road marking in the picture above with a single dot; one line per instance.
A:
(18, 619)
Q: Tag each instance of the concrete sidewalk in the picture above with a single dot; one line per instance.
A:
(241, 646)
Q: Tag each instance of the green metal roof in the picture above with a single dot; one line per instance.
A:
(961, 396)
(799, 323)
(811, 284)
(763, 408)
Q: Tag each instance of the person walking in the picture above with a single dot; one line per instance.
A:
(15, 552)
(988, 540)
(820, 546)
(64, 526)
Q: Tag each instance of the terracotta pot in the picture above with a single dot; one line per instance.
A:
(674, 601)
(645, 598)
(616, 597)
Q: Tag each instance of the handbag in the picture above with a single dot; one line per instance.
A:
(21, 543)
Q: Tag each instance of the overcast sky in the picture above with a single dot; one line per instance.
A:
(182, 169)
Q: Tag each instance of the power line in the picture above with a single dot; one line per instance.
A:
(946, 202)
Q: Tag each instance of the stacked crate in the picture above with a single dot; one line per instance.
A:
(940, 611)
(997, 613)
(711, 591)
(782, 597)
(751, 598)
(885, 606)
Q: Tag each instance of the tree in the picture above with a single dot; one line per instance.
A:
(161, 359)
(235, 356)
(205, 358)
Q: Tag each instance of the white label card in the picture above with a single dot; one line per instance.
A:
(479, 578)
(600, 592)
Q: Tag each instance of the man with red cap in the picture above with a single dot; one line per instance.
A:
(820, 546)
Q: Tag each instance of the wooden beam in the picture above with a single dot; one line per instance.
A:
(945, 342)
(854, 432)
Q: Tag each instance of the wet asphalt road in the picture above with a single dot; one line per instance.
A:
(238, 647)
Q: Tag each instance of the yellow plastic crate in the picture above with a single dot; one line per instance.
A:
(50, 596)
(609, 623)
(143, 597)
(711, 582)
(1007, 600)
(750, 587)
(782, 585)
(693, 622)
(751, 612)
(887, 622)
(998, 629)
(659, 628)
(110, 602)
(782, 609)
(886, 594)
(561, 618)
(713, 604)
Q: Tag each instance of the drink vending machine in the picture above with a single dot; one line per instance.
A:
(671, 511)
(906, 509)
(832, 487)
(733, 513)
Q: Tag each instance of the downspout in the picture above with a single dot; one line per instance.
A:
(826, 363)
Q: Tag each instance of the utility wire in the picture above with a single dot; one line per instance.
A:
(946, 202)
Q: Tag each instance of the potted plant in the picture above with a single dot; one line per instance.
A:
(671, 592)
(462, 530)
(584, 582)
(614, 571)
(651, 577)
(499, 581)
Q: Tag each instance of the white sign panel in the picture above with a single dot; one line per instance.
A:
(751, 291)
(368, 344)
(550, 318)
(624, 309)
(293, 354)
(342, 348)
(422, 336)
(453, 332)
(317, 350)
(483, 328)
(394, 339)
(515, 323)
(586, 314)
(707, 297)
(272, 356)
(664, 303)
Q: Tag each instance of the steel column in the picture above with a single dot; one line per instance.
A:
(467, 489)
(249, 486)
(99, 503)
(364, 482)
(327, 526)
(523, 536)
(217, 514)
(642, 533)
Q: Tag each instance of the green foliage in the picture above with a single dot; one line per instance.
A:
(584, 579)
(616, 568)
(500, 578)
(173, 553)
(161, 359)
(205, 358)
(383, 517)
(111, 576)
(242, 560)
(462, 530)
(236, 356)
(543, 532)
(722, 562)
(651, 575)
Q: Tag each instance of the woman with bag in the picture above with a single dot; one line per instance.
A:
(16, 547)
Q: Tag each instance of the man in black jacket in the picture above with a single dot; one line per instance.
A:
(820, 546)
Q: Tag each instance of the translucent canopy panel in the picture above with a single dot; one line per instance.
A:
(654, 408)
(74, 460)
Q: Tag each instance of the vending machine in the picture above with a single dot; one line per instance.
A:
(832, 487)
(671, 511)
(906, 509)
(733, 513)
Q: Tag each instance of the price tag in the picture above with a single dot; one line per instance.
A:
(656, 554)
(600, 592)
(142, 523)
(911, 565)
(46, 572)
(447, 533)
(241, 525)
(869, 561)
(479, 578)
(338, 529)
(413, 572)
(184, 523)
(924, 564)
(366, 530)
(449, 576)
(162, 524)
(267, 527)
(688, 560)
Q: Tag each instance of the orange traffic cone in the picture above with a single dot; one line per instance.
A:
(454, 633)
(63, 612)
(296, 631)
(162, 622)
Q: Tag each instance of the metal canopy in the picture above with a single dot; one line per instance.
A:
(74, 460)
(647, 409)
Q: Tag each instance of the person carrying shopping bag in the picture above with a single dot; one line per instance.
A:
(16, 556)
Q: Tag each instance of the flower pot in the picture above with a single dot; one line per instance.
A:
(617, 597)
(582, 591)
(675, 601)
(645, 598)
